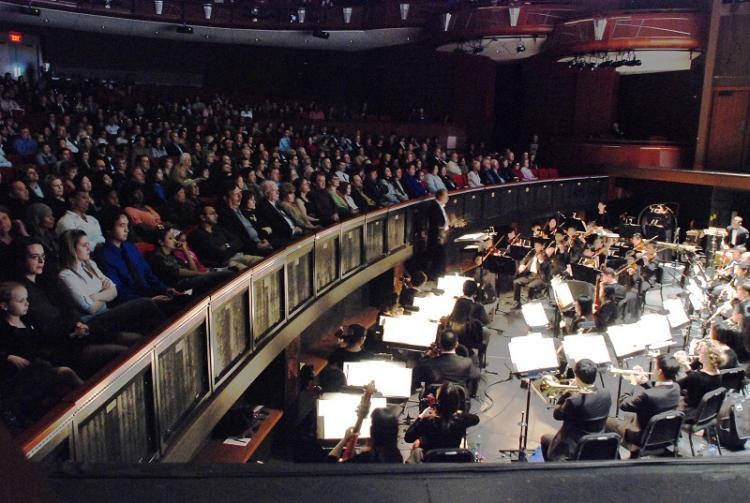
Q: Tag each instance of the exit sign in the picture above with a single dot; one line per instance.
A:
(15, 37)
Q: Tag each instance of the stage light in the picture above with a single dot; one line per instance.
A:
(321, 34)
(207, 9)
(347, 12)
(254, 12)
(301, 15)
(158, 7)
(520, 47)
(404, 10)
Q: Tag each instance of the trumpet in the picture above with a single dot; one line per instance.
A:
(550, 386)
(628, 372)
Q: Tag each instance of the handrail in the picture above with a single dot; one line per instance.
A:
(67, 420)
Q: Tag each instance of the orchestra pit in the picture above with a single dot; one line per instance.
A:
(404, 250)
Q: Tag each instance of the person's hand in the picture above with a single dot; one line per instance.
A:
(640, 377)
(184, 246)
(18, 362)
(20, 227)
(335, 217)
(107, 283)
(79, 331)
(349, 435)
(265, 245)
(428, 412)
(171, 292)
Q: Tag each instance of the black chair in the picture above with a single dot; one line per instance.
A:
(706, 417)
(598, 446)
(733, 379)
(662, 431)
(449, 456)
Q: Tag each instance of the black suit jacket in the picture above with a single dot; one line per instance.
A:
(742, 236)
(174, 150)
(581, 414)
(270, 217)
(436, 233)
(322, 205)
(231, 223)
(648, 402)
(446, 367)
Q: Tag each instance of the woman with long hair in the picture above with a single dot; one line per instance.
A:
(40, 225)
(382, 446)
(91, 291)
(700, 381)
(443, 425)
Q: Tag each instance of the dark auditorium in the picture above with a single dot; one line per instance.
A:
(406, 250)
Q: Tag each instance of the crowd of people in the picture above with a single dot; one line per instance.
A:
(115, 203)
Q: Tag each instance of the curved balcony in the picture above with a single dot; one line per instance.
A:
(161, 401)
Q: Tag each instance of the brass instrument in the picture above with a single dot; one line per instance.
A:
(628, 372)
(550, 386)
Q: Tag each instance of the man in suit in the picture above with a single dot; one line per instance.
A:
(322, 203)
(737, 235)
(447, 366)
(233, 220)
(533, 273)
(269, 215)
(581, 414)
(438, 224)
(468, 316)
(647, 401)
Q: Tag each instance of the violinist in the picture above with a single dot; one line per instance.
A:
(575, 244)
(607, 314)
(413, 288)
(639, 246)
(550, 228)
(533, 273)
(631, 279)
(592, 252)
(651, 270)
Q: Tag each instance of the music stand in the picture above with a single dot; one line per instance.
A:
(408, 332)
(472, 238)
(676, 316)
(530, 356)
(518, 252)
(590, 346)
(392, 379)
(338, 411)
(534, 315)
(584, 273)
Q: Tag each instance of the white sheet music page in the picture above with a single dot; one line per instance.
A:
(531, 353)
(452, 285)
(392, 379)
(409, 330)
(625, 340)
(562, 293)
(593, 347)
(654, 330)
(338, 411)
(534, 315)
(434, 307)
(677, 315)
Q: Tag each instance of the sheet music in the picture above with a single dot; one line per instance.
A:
(625, 340)
(677, 315)
(409, 331)
(478, 236)
(697, 296)
(338, 411)
(453, 285)
(562, 293)
(434, 307)
(532, 353)
(651, 330)
(654, 330)
(392, 379)
(593, 347)
(534, 315)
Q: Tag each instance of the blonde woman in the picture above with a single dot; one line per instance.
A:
(697, 383)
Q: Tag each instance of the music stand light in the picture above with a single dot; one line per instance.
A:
(392, 379)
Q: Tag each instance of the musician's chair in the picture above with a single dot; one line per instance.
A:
(661, 432)
(706, 417)
(733, 379)
(457, 455)
(598, 446)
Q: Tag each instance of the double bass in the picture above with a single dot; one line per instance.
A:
(362, 411)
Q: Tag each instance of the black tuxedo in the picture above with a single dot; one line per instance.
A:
(270, 216)
(646, 403)
(536, 282)
(437, 236)
(581, 414)
(740, 240)
(446, 367)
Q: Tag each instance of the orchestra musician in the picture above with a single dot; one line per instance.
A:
(631, 279)
(737, 235)
(446, 365)
(697, 383)
(583, 313)
(646, 401)
(382, 446)
(468, 319)
(413, 288)
(581, 413)
(651, 271)
(351, 346)
(550, 228)
(637, 243)
(533, 272)
(606, 316)
(574, 243)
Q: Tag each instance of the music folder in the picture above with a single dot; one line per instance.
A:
(592, 347)
(338, 411)
(392, 379)
(532, 353)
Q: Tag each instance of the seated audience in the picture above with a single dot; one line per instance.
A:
(270, 215)
(287, 203)
(77, 218)
(215, 246)
(236, 222)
